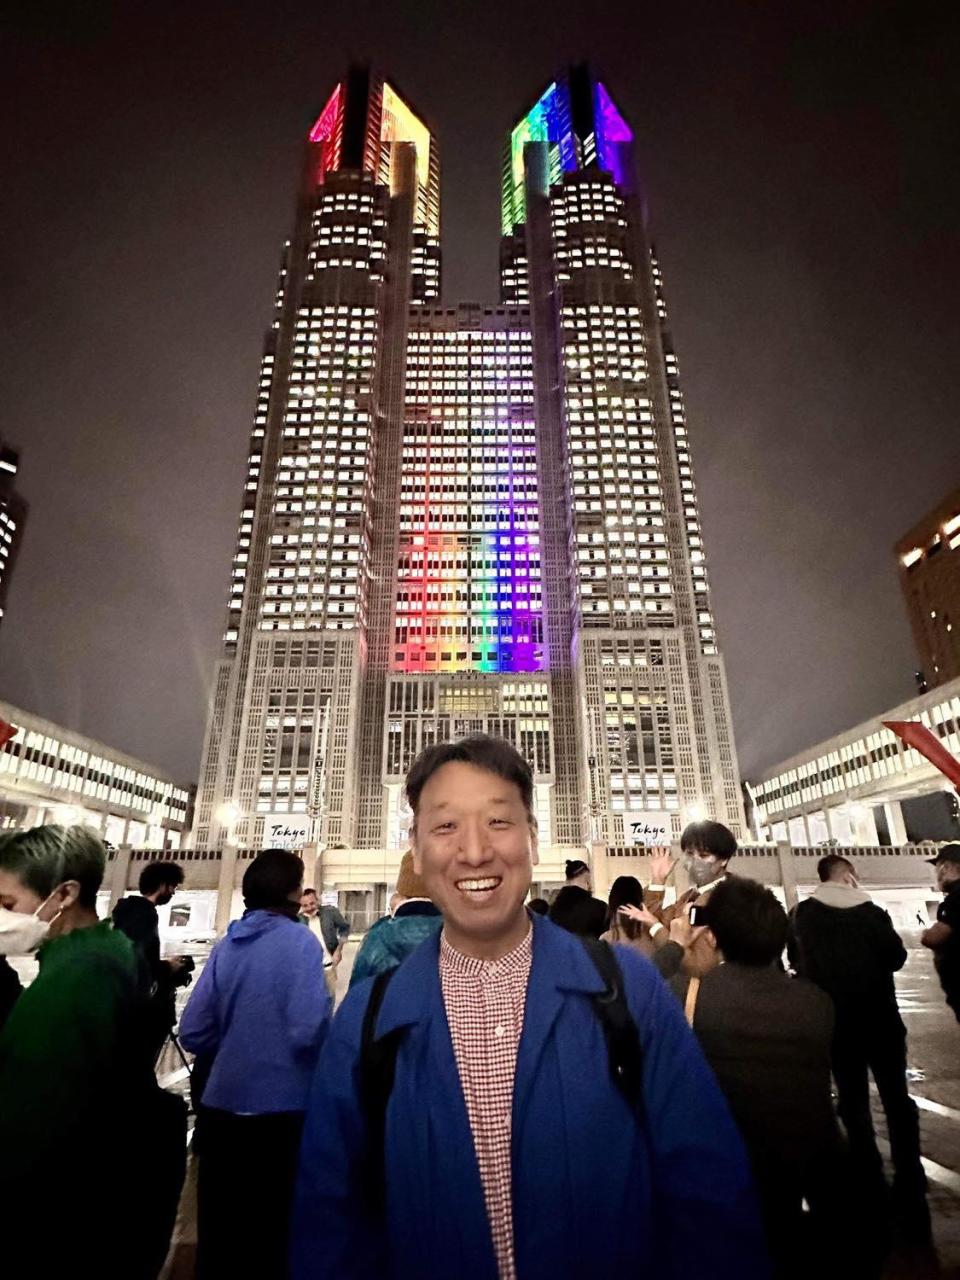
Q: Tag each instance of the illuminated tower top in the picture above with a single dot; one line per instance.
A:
(363, 120)
(577, 117)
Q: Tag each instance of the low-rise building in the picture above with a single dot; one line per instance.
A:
(52, 774)
(864, 787)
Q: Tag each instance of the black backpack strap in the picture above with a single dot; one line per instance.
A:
(378, 1065)
(624, 1051)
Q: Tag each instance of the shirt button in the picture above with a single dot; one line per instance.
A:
(498, 1032)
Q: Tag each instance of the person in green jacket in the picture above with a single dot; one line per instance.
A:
(389, 941)
(79, 1104)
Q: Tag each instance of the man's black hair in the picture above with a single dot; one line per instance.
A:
(712, 837)
(306, 891)
(748, 922)
(575, 867)
(158, 875)
(495, 755)
(829, 863)
(539, 906)
(270, 879)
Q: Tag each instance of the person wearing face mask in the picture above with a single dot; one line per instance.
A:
(258, 1015)
(20, 935)
(707, 847)
(72, 1070)
(137, 917)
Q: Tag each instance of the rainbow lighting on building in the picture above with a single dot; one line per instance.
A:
(468, 580)
(579, 120)
(467, 518)
(360, 126)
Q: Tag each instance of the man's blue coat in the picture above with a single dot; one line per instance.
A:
(596, 1193)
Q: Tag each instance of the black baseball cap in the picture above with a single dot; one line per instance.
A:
(949, 853)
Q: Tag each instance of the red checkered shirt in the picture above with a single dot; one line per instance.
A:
(484, 1000)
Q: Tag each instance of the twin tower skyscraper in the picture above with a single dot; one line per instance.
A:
(472, 518)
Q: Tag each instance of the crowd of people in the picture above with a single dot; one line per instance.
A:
(509, 1088)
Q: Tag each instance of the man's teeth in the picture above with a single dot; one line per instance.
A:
(476, 886)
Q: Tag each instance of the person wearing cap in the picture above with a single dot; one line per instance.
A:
(413, 919)
(943, 938)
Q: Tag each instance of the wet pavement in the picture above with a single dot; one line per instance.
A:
(933, 1058)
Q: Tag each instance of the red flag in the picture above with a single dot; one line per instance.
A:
(917, 735)
(7, 731)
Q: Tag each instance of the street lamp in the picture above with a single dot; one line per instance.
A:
(227, 816)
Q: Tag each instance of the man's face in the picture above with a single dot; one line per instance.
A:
(703, 866)
(948, 875)
(308, 904)
(166, 895)
(475, 847)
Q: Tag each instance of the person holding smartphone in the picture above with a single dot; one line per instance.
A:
(707, 848)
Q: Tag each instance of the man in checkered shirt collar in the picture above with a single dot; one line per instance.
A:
(508, 1149)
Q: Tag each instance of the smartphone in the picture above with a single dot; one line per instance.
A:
(698, 915)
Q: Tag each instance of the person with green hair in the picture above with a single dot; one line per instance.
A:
(75, 1083)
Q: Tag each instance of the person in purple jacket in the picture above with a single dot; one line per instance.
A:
(257, 1018)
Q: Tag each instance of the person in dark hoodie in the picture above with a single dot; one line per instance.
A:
(848, 946)
(260, 1011)
(391, 939)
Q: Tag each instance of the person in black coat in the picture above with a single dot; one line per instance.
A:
(137, 917)
(848, 946)
(574, 908)
(767, 1037)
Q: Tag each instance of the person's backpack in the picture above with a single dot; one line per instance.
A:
(378, 1058)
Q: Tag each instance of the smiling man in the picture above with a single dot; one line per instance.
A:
(508, 1103)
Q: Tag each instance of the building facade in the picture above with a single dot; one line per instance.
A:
(51, 774)
(13, 515)
(467, 518)
(865, 787)
(928, 557)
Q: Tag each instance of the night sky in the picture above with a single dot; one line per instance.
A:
(800, 163)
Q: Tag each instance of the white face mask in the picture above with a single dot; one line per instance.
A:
(20, 934)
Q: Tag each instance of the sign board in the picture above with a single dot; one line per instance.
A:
(647, 828)
(285, 830)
